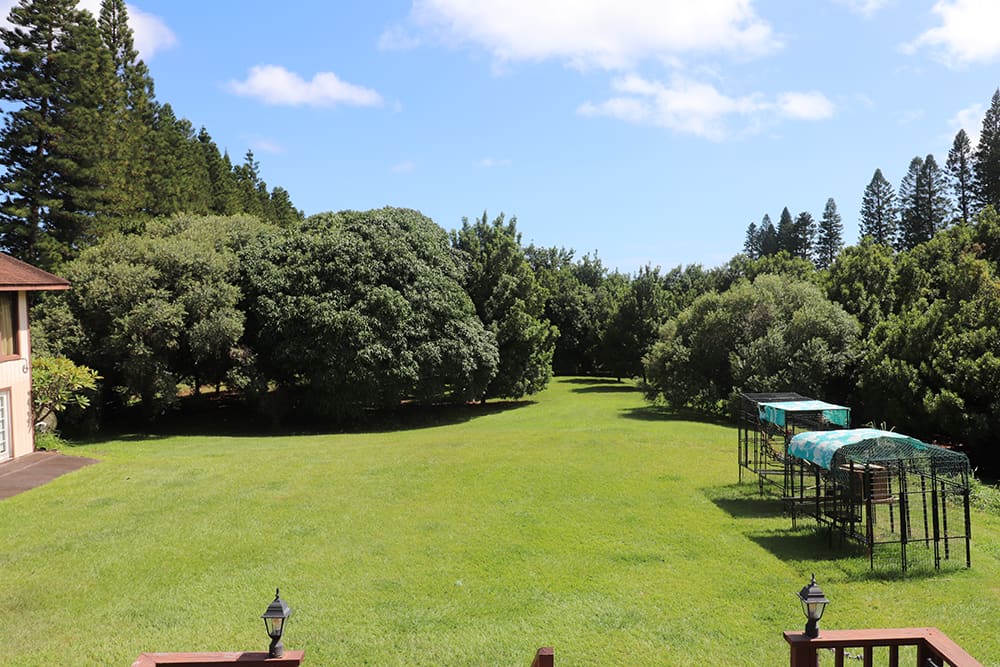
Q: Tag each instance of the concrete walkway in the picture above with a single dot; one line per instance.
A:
(37, 468)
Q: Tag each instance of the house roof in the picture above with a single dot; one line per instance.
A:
(18, 276)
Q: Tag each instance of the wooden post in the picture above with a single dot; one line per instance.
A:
(803, 655)
(545, 657)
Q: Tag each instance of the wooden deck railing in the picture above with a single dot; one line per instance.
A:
(544, 657)
(934, 648)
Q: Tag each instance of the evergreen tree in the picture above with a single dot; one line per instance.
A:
(751, 243)
(128, 156)
(180, 181)
(932, 194)
(252, 191)
(225, 194)
(911, 224)
(804, 237)
(924, 205)
(830, 237)
(878, 211)
(281, 211)
(987, 157)
(136, 83)
(57, 80)
(960, 171)
(786, 232)
(768, 237)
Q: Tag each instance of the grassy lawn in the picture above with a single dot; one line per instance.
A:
(584, 520)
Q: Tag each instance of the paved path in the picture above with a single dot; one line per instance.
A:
(37, 468)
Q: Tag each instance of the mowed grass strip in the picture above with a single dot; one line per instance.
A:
(582, 519)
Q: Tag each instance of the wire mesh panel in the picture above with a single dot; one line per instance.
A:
(765, 423)
(903, 499)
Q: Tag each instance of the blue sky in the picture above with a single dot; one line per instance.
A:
(650, 131)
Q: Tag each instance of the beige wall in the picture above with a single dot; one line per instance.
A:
(15, 376)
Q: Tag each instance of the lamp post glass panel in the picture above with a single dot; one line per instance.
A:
(813, 605)
(274, 621)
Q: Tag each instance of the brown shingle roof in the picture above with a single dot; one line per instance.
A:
(17, 276)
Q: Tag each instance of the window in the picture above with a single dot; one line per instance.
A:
(8, 324)
(4, 425)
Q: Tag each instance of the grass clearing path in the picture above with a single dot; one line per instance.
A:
(585, 519)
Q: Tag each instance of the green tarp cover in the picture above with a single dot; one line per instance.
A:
(820, 446)
(775, 412)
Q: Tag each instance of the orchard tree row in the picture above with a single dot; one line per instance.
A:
(85, 148)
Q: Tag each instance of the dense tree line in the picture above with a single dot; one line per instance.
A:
(920, 286)
(188, 270)
(332, 316)
(86, 148)
(907, 338)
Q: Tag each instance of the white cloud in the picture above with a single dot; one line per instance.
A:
(967, 33)
(805, 106)
(866, 8)
(613, 34)
(398, 38)
(687, 106)
(969, 119)
(274, 84)
(150, 32)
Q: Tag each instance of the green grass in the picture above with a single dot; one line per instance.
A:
(584, 520)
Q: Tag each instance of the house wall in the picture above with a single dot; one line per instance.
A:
(15, 377)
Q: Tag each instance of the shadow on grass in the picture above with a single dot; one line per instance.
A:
(814, 544)
(810, 543)
(743, 501)
(606, 389)
(587, 380)
(652, 413)
(210, 415)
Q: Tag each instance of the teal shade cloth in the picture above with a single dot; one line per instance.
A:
(819, 446)
(776, 413)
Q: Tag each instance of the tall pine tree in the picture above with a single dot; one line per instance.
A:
(129, 153)
(751, 243)
(225, 194)
(251, 189)
(179, 179)
(932, 194)
(768, 237)
(786, 232)
(924, 204)
(878, 211)
(58, 80)
(960, 172)
(830, 237)
(911, 223)
(987, 157)
(805, 236)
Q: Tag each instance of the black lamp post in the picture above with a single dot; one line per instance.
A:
(813, 604)
(274, 620)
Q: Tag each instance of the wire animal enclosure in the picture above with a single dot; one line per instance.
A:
(767, 421)
(899, 498)
(886, 491)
